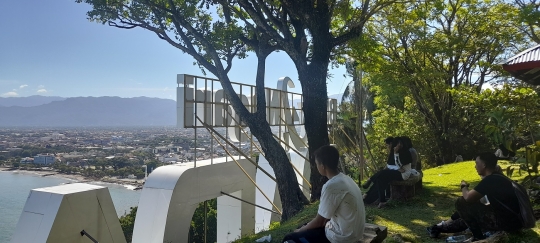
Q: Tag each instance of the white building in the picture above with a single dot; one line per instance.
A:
(44, 159)
(27, 160)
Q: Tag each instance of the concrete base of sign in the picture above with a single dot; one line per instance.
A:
(59, 214)
(172, 193)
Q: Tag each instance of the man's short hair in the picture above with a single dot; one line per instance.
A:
(489, 158)
(328, 156)
(389, 140)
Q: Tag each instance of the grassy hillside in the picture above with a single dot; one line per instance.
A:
(410, 218)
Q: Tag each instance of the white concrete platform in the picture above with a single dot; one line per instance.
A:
(58, 215)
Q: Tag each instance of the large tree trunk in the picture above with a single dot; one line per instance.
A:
(292, 198)
(445, 154)
(313, 79)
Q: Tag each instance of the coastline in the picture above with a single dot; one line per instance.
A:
(131, 184)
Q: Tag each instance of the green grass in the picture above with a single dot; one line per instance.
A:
(410, 218)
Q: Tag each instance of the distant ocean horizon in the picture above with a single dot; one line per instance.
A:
(15, 188)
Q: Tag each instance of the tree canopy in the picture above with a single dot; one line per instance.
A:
(429, 48)
(215, 32)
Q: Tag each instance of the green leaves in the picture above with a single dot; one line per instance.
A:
(434, 57)
(529, 17)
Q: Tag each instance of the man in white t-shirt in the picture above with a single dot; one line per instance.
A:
(341, 216)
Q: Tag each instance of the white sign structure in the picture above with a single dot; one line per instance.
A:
(205, 98)
(58, 214)
(172, 193)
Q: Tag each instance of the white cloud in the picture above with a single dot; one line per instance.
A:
(10, 94)
(23, 86)
(41, 87)
(42, 91)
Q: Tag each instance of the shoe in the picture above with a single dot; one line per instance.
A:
(473, 239)
(433, 232)
(442, 223)
(491, 233)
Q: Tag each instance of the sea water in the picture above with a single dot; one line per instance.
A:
(15, 188)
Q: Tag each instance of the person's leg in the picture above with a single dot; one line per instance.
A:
(371, 195)
(372, 179)
(384, 180)
(450, 226)
(307, 236)
(388, 192)
(477, 216)
(455, 216)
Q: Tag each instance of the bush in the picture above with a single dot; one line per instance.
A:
(127, 222)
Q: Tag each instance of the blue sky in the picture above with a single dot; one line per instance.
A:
(48, 47)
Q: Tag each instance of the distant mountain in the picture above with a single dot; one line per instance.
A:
(93, 111)
(29, 101)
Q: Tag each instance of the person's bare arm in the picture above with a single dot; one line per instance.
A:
(469, 195)
(318, 222)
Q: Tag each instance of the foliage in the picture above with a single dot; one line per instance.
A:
(127, 222)
(196, 231)
(392, 121)
(529, 13)
(506, 114)
(499, 127)
(428, 51)
(472, 131)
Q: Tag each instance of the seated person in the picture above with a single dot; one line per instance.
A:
(455, 224)
(504, 153)
(389, 162)
(341, 216)
(372, 195)
(415, 164)
(497, 215)
(402, 170)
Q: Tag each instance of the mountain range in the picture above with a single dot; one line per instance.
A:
(106, 111)
(29, 101)
(43, 111)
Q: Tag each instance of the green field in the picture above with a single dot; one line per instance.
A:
(410, 218)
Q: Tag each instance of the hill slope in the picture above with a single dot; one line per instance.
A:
(410, 219)
(93, 111)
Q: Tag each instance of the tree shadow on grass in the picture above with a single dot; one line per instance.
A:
(430, 206)
(411, 217)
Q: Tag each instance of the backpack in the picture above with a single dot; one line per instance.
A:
(526, 214)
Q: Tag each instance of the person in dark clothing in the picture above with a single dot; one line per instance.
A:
(389, 161)
(455, 224)
(504, 153)
(372, 195)
(495, 216)
(399, 168)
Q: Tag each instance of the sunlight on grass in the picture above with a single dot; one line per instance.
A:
(410, 218)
